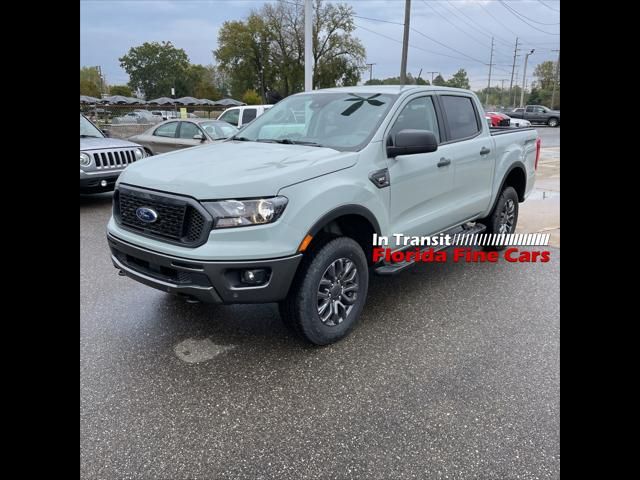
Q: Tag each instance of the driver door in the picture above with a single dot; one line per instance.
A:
(421, 184)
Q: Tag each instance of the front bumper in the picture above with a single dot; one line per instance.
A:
(92, 180)
(206, 281)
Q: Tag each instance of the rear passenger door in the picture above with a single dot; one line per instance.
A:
(470, 149)
(164, 138)
(421, 185)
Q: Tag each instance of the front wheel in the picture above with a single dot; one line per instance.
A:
(504, 217)
(553, 122)
(328, 293)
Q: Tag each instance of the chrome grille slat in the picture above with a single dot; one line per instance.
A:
(114, 158)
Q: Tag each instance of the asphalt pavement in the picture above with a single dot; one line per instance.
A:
(452, 372)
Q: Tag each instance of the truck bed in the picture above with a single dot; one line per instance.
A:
(502, 130)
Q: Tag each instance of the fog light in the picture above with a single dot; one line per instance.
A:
(254, 277)
(103, 183)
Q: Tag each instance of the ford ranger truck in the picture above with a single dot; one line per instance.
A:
(102, 159)
(285, 210)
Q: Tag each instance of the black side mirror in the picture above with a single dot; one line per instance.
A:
(106, 133)
(199, 136)
(409, 141)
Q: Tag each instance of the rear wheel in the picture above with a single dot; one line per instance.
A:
(552, 122)
(328, 293)
(504, 217)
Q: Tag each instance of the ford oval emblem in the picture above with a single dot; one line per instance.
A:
(146, 215)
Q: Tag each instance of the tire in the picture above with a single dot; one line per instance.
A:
(303, 310)
(504, 217)
(553, 122)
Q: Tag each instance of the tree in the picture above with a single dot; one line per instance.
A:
(439, 81)
(396, 81)
(265, 52)
(200, 82)
(123, 90)
(90, 82)
(545, 74)
(251, 97)
(156, 67)
(459, 80)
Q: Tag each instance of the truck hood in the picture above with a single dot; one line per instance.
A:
(235, 169)
(100, 143)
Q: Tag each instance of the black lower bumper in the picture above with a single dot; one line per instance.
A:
(94, 183)
(210, 282)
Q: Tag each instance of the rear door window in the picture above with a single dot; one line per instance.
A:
(462, 120)
(248, 114)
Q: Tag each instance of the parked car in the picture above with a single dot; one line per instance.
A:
(177, 134)
(510, 122)
(498, 119)
(239, 116)
(137, 116)
(285, 212)
(537, 114)
(103, 159)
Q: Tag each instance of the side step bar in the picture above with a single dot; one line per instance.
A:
(395, 268)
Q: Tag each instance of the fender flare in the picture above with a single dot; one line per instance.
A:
(350, 209)
(514, 165)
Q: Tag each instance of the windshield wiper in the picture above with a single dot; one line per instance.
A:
(288, 141)
(242, 139)
(89, 136)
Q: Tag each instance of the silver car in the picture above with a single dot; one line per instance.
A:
(184, 133)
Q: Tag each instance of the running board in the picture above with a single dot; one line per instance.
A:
(395, 268)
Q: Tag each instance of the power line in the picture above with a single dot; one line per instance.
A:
(449, 21)
(472, 26)
(513, 10)
(446, 46)
(520, 17)
(378, 20)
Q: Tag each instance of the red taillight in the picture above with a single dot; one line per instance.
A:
(538, 143)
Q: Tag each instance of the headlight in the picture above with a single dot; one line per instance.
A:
(242, 213)
(139, 152)
(85, 160)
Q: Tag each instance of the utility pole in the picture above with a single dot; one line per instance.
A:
(490, 65)
(405, 42)
(502, 92)
(308, 50)
(432, 76)
(524, 76)
(513, 67)
(555, 80)
(370, 65)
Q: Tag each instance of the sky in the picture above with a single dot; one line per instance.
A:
(459, 33)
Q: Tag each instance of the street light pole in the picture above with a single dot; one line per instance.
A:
(555, 82)
(524, 75)
(308, 50)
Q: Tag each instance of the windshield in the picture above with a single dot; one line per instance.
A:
(340, 120)
(87, 129)
(218, 130)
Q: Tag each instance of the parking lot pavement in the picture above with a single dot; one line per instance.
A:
(453, 372)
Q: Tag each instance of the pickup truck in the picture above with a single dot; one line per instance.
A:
(286, 209)
(102, 159)
(537, 114)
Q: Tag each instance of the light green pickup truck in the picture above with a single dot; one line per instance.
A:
(285, 211)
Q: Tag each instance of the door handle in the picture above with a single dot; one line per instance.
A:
(444, 162)
(485, 151)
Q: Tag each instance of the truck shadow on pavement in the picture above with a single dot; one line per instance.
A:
(95, 199)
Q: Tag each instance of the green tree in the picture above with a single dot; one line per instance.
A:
(545, 74)
(123, 90)
(459, 80)
(439, 81)
(200, 82)
(156, 67)
(396, 81)
(90, 82)
(251, 97)
(265, 52)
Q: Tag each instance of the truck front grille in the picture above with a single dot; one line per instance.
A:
(179, 220)
(107, 159)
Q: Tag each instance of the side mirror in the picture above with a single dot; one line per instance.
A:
(106, 133)
(198, 136)
(409, 141)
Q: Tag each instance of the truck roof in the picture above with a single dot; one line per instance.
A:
(390, 89)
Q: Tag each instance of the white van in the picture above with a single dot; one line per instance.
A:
(239, 116)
